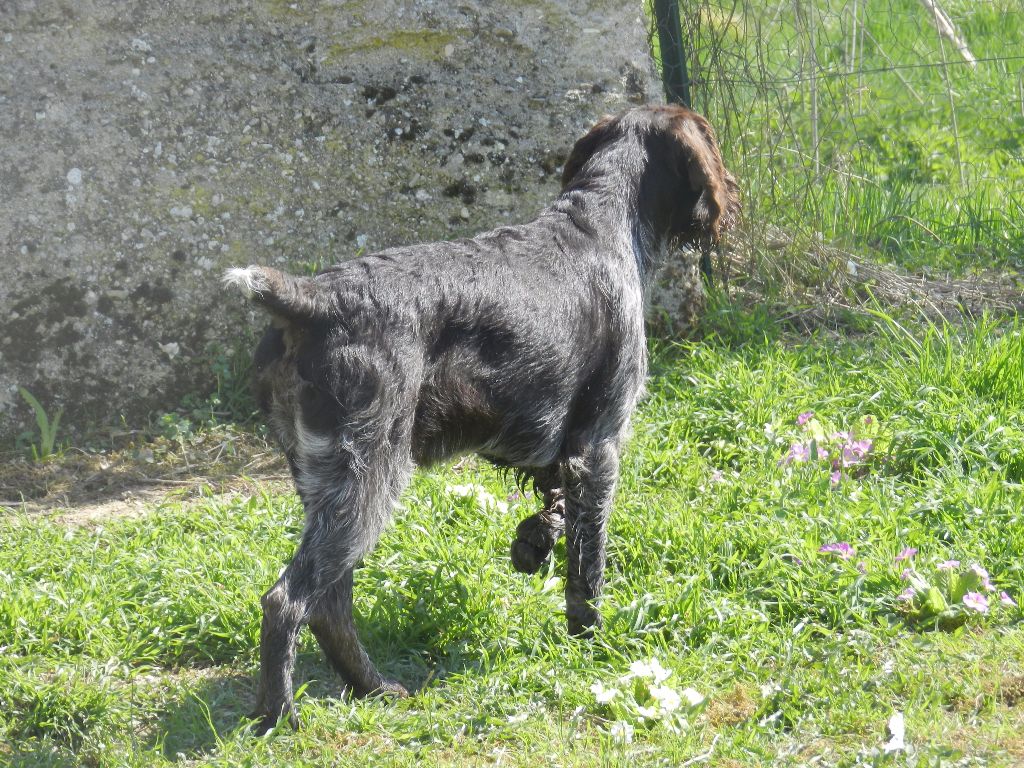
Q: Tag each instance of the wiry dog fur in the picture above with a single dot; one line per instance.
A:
(524, 344)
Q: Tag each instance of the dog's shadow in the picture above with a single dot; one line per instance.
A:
(206, 713)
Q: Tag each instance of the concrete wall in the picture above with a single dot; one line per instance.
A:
(146, 146)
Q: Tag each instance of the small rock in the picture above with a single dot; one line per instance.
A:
(141, 46)
(181, 211)
(75, 176)
(464, 212)
(171, 349)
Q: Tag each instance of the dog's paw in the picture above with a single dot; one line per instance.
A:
(391, 689)
(535, 538)
(584, 621)
(527, 558)
(265, 722)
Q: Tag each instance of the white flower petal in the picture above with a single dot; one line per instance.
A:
(693, 697)
(897, 732)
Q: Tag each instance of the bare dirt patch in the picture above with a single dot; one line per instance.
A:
(82, 486)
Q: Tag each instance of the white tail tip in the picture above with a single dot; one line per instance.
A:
(250, 280)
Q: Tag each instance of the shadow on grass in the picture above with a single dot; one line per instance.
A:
(210, 711)
(202, 715)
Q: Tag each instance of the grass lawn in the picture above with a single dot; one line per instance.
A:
(134, 641)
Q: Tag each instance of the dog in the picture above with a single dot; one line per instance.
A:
(525, 344)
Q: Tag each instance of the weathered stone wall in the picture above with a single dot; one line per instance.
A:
(146, 146)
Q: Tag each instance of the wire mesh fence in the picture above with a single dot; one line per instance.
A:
(891, 128)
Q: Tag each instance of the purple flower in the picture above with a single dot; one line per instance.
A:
(798, 453)
(854, 451)
(976, 602)
(842, 436)
(908, 574)
(804, 417)
(906, 554)
(948, 565)
(868, 421)
(1006, 600)
(862, 566)
(718, 476)
(835, 477)
(907, 594)
(841, 548)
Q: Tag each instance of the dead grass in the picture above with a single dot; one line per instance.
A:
(732, 708)
(816, 284)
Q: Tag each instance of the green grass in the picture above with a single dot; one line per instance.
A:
(889, 177)
(135, 642)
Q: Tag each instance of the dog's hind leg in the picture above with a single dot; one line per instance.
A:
(589, 479)
(348, 492)
(285, 607)
(333, 626)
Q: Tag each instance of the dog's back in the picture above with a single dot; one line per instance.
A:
(495, 344)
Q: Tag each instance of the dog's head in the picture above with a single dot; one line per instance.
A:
(684, 188)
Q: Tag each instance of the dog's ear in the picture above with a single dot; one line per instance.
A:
(718, 207)
(585, 148)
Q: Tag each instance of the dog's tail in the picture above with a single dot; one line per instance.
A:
(298, 299)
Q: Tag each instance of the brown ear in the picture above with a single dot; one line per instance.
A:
(585, 148)
(718, 208)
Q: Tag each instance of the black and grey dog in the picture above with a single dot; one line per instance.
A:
(525, 344)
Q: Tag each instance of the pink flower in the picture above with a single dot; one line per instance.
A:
(1006, 600)
(948, 565)
(835, 477)
(804, 417)
(718, 476)
(841, 548)
(906, 554)
(907, 594)
(908, 574)
(976, 602)
(868, 421)
(798, 453)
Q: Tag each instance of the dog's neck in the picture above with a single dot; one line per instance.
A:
(612, 199)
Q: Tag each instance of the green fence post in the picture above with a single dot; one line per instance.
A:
(674, 76)
(673, 58)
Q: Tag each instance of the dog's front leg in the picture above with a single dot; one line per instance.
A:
(588, 483)
(537, 535)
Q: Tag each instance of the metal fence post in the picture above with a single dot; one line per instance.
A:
(673, 58)
(674, 76)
